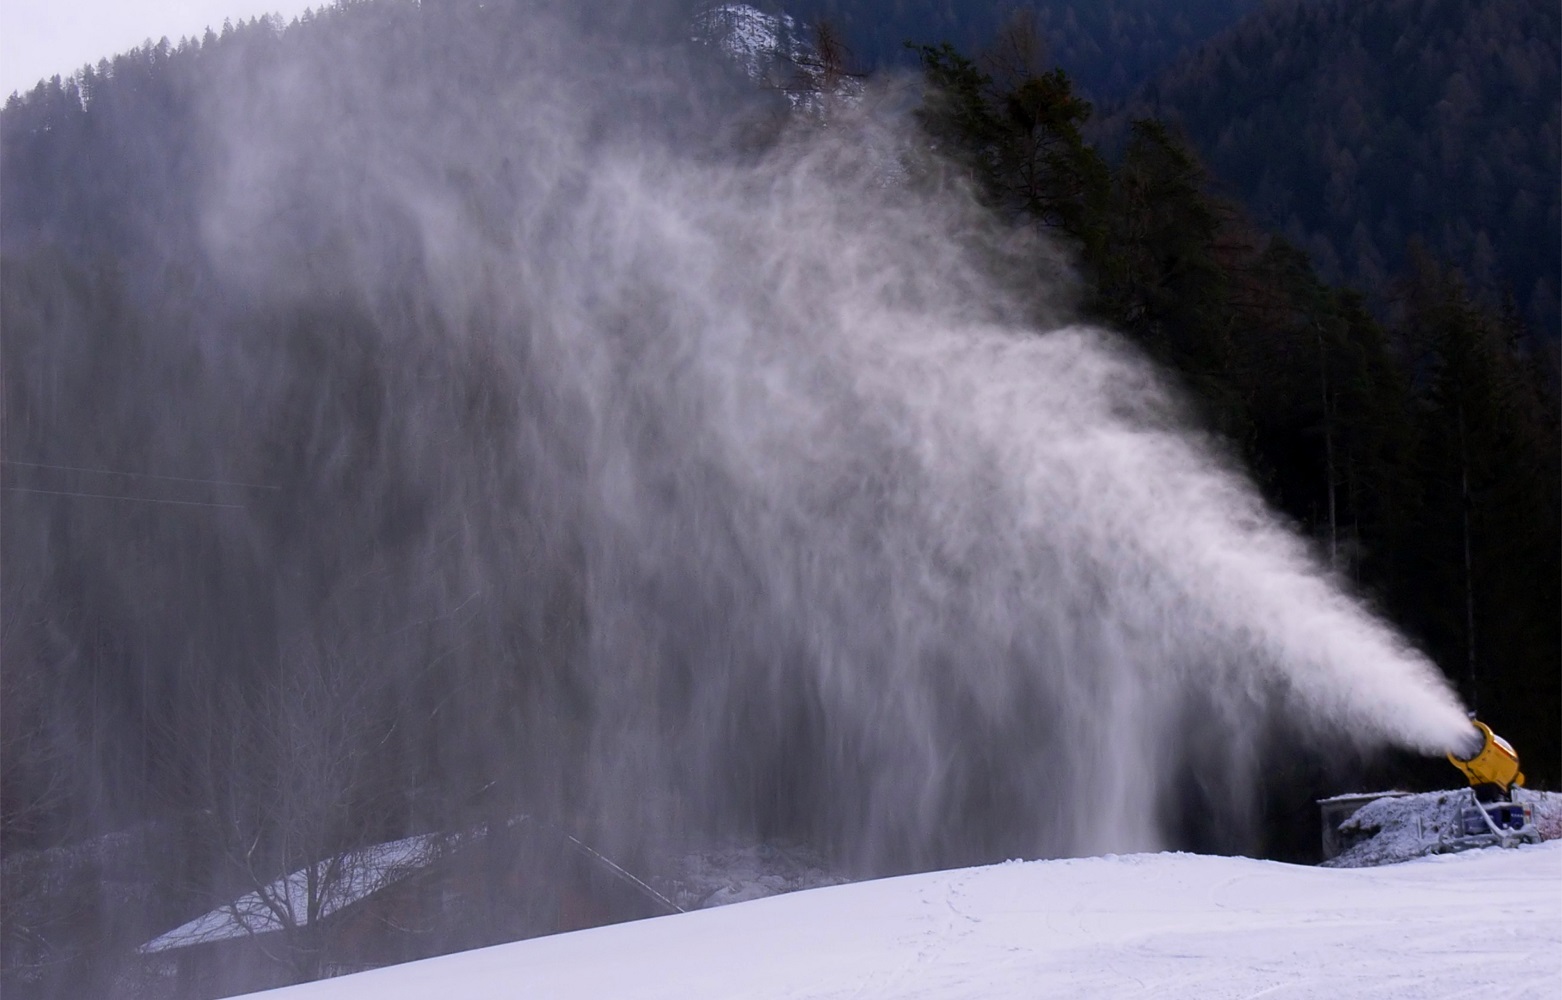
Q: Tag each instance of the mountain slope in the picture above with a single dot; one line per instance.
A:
(1107, 46)
(1139, 925)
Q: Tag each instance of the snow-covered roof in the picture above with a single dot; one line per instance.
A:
(357, 875)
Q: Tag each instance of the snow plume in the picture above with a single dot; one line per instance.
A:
(721, 486)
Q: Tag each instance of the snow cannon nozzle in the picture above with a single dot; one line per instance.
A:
(1489, 762)
(1473, 742)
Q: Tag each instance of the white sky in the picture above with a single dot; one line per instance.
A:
(44, 38)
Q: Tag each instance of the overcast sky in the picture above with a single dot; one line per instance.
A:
(44, 38)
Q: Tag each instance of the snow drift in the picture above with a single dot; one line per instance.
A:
(1142, 925)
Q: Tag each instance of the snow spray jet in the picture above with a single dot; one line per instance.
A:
(775, 490)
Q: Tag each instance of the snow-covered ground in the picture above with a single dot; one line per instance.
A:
(738, 873)
(1484, 923)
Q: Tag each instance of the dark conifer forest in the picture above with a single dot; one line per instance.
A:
(226, 503)
(1107, 47)
(1356, 129)
(1361, 430)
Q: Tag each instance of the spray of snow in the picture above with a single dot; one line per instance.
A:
(859, 535)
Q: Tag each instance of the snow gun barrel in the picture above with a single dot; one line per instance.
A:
(1489, 762)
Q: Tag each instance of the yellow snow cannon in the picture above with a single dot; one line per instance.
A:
(1492, 766)
(1492, 817)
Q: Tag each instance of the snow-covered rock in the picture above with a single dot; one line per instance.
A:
(756, 41)
(775, 52)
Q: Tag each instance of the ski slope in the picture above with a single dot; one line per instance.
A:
(1480, 924)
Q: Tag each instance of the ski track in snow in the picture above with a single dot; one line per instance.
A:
(1483, 923)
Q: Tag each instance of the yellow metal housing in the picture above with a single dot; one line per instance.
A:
(1495, 763)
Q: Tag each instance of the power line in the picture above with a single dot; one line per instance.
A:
(139, 475)
(109, 496)
(622, 872)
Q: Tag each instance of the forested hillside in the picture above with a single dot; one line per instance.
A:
(1355, 126)
(1108, 47)
(1423, 455)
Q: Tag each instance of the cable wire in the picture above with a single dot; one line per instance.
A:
(109, 496)
(140, 475)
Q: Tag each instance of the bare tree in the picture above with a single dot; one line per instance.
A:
(832, 56)
(35, 732)
(1018, 53)
(823, 72)
(52, 936)
(300, 797)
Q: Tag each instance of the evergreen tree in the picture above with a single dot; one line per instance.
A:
(1021, 139)
(1490, 531)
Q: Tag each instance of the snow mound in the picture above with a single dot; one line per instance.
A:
(1164, 925)
(1401, 827)
(1548, 812)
